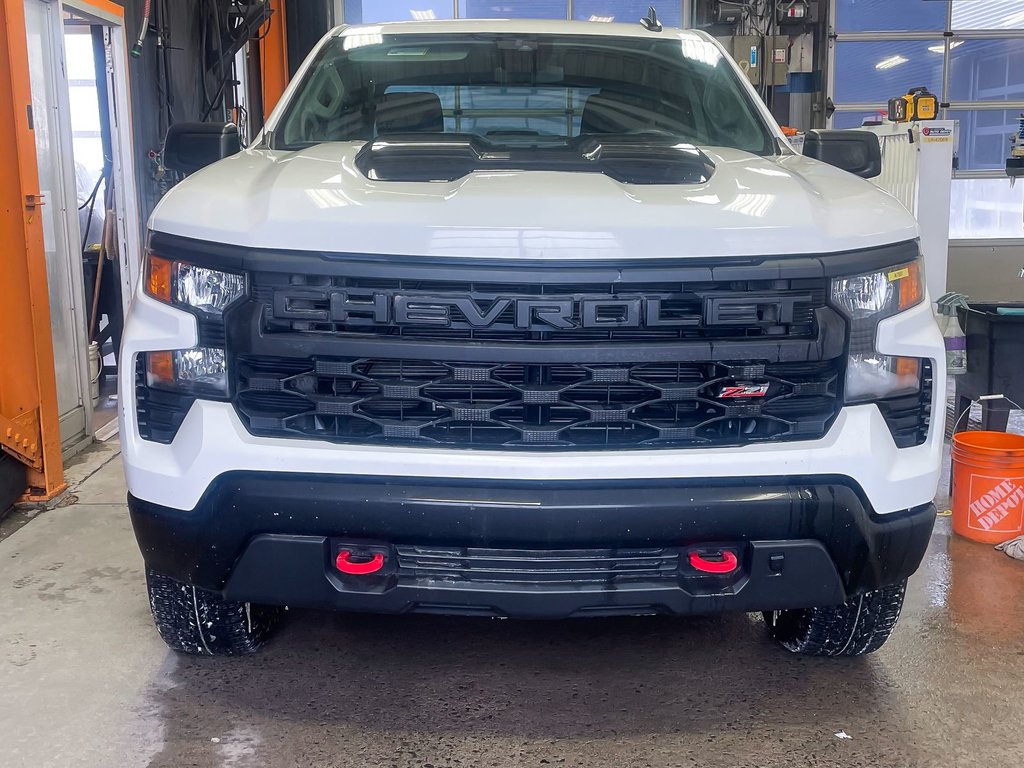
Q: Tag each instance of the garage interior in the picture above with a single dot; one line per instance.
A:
(90, 89)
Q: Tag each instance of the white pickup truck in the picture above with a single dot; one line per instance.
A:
(529, 319)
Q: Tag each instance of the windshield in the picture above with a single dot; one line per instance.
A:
(521, 90)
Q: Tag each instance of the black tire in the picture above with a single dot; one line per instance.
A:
(202, 623)
(857, 627)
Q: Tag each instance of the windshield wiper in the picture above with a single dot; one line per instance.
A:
(653, 158)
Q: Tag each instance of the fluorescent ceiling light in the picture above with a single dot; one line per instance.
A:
(942, 49)
(605, 19)
(426, 15)
(892, 61)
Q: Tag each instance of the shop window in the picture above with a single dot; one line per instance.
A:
(986, 70)
(984, 134)
(890, 15)
(627, 11)
(988, 14)
(873, 72)
(373, 11)
(513, 9)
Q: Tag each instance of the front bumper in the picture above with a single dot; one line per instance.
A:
(514, 548)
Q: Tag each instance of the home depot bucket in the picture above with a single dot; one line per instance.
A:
(988, 486)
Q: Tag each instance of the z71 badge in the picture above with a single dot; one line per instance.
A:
(735, 391)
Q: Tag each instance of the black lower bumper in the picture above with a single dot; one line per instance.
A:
(534, 549)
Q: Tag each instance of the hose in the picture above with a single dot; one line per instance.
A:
(136, 50)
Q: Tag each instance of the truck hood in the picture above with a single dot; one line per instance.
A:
(317, 200)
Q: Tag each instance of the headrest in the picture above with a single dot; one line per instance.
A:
(612, 112)
(410, 112)
(615, 112)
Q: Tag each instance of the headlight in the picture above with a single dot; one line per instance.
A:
(177, 282)
(879, 295)
(866, 300)
(209, 293)
(199, 371)
(874, 377)
(207, 290)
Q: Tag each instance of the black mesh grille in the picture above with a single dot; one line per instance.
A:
(746, 309)
(564, 405)
(909, 417)
(508, 566)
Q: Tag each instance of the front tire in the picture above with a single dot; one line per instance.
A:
(202, 623)
(857, 627)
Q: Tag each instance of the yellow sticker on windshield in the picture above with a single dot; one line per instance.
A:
(899, 274)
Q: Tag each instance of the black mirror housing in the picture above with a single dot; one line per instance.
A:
(190, 147)
(859, 152)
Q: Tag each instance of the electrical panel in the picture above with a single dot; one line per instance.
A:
(746, 49)
(778, 70)
(762, 62)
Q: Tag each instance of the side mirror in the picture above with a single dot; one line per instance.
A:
(190, 147)
(858, 152)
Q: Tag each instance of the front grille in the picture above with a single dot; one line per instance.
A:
(449, 310)
(566, 357)
(543, 567)
(562, 405)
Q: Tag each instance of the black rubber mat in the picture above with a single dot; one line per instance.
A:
(12, 482)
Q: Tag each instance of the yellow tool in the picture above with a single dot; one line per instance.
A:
(918, 104)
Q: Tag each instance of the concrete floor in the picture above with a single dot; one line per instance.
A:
(85, 681)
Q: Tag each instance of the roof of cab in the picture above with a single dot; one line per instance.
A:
(514, 26)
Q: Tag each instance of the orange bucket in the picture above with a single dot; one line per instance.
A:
(988, 486)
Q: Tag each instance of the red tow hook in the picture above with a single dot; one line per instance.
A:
(727, 564)
(345, 564)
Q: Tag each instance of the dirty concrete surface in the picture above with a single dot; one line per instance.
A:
(85, 681)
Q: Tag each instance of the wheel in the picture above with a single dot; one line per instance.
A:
(202, 623)
(857, 627)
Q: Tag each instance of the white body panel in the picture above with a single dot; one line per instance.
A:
(316, 200)
(213, 440)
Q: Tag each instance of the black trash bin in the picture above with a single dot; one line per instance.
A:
(995, 363)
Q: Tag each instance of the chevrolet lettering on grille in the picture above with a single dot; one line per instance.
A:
(541, 313)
